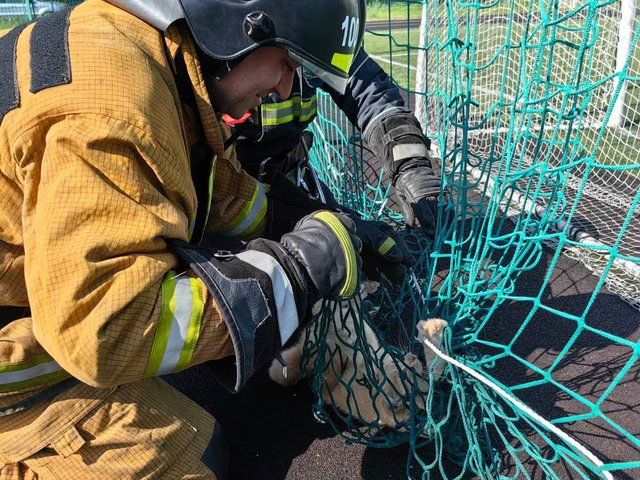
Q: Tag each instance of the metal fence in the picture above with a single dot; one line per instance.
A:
(15, 12)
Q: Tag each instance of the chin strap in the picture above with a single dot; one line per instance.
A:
(239, 125)
(222, 70)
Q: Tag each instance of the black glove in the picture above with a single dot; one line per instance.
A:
(264, 293)
(397, 138)
(325, 248)
(417, 189)
(383, 250)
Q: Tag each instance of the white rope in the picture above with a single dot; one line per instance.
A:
(517, 403)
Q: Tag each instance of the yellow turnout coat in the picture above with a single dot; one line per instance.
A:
(95, 178)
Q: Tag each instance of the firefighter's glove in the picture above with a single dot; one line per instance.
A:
(397, 139)
(321, 255)
(288, 204)
(417, 190)
(265, 292)
(383, 250)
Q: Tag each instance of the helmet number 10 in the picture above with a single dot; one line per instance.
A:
(350, 28)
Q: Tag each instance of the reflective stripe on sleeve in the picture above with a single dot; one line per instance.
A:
(387, 245)
(38, 370)
(351, 273)
(282, 291)
(250, 216)
(285, 112)
(179, 325)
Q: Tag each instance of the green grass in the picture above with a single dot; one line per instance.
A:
(394, 52)
(393, 11)
(10, 23)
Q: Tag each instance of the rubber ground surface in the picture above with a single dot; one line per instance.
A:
(272, 434)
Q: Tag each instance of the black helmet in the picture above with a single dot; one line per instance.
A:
(321, 35)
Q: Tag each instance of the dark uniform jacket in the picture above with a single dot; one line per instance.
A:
(278, 124)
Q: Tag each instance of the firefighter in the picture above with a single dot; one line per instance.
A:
(113, 166)
(273, 142)
(272, 137)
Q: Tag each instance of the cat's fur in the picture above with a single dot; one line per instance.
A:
(376, 395)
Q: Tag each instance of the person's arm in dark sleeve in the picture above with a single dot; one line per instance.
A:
(374, 104)
(370, 93)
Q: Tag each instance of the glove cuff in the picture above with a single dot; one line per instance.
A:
(325, 245)
(398, 139)
(302, 288)
(255, 298)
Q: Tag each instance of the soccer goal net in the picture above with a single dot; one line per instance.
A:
(533, 109)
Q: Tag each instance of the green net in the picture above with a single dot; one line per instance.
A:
(533, 110)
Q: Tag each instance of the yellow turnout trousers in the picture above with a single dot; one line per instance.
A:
(140, 430)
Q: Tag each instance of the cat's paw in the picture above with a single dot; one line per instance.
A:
(432, 330)
(289, 373)
(413, 362)
(279, 374)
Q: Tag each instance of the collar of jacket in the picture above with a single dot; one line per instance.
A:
(179, 41)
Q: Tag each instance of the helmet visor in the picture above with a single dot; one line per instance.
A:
(336, 81)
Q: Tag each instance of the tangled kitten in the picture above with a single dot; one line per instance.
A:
(375, 395)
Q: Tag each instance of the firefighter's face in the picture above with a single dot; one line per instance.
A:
(265, 70)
